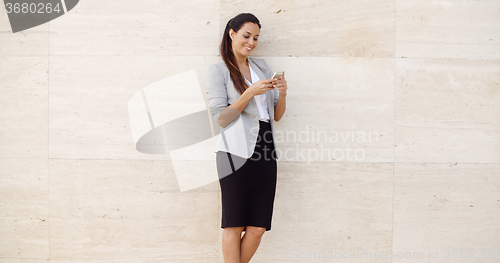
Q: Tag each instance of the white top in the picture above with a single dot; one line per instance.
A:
(260, 99)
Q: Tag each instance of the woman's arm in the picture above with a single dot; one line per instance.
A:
(222, 112)
(280, 107)
(231, 112)
(279, 99)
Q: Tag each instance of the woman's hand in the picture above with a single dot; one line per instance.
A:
(261, 86)
(281, 85)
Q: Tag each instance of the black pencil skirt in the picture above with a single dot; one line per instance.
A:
(248, 191)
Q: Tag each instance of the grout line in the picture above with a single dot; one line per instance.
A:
(277, 57)
(107, 159)
(394, 125)
(48, 137)
(218, 234)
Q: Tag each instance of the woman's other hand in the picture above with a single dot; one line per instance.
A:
(261, 86)
(281, 85)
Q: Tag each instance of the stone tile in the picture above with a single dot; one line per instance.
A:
(341, 107)
(108, 28)
(448, 29)
(24, 210)
(319, 28)
(330, 208)
(441, 207)
(24, 102)
(112, 210)
(89, 115)
(447, 110)
(30, 42)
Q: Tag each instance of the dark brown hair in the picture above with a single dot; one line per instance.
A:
(226, 48)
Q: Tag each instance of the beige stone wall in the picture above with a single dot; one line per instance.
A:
(406, 92)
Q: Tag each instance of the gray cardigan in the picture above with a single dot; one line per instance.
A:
(240, 136)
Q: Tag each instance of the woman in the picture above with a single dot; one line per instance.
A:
(244, 101)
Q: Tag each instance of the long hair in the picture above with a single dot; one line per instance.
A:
(226, 49)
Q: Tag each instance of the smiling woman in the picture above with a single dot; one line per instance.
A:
(240, 39)
(242, 97)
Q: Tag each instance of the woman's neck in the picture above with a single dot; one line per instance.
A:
(241, 61)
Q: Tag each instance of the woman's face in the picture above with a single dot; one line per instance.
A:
(245, 40)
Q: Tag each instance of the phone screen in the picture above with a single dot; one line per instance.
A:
(277, 75)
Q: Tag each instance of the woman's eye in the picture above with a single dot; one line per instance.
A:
(249, 36)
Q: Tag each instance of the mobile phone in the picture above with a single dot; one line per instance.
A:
(277, 75)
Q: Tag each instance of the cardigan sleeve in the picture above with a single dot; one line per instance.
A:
(216, 89)
(217, 97)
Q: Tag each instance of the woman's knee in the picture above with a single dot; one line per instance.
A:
(256, 231)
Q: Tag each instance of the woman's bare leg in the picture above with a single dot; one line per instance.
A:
(231, 239)
(250, 242)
